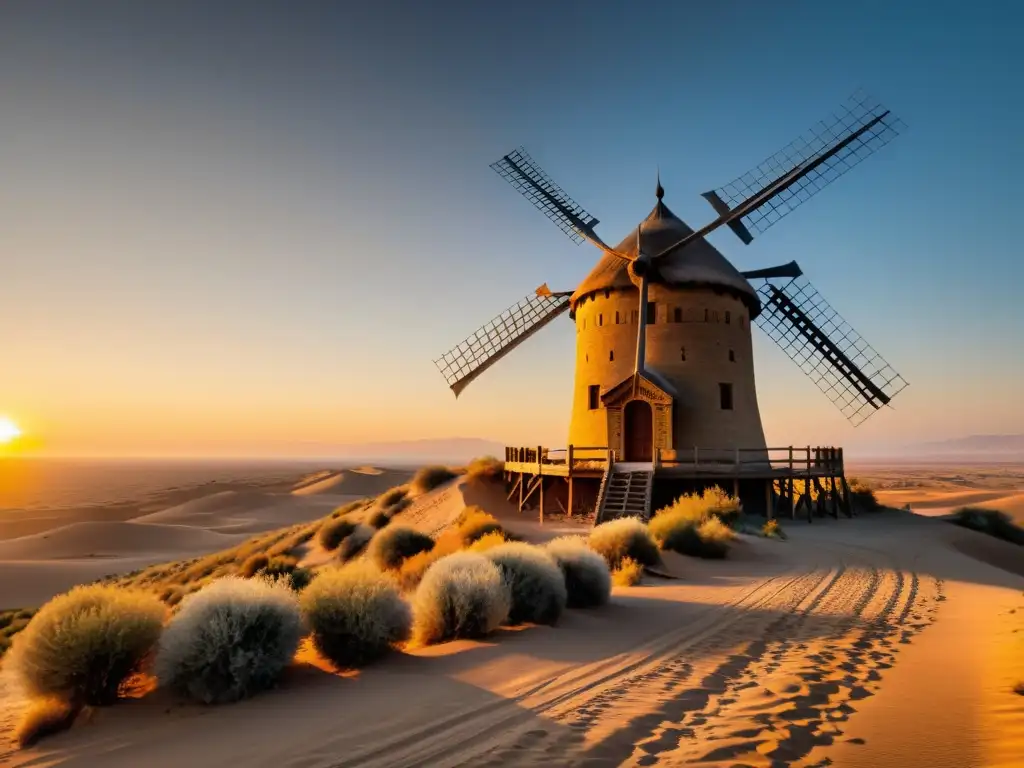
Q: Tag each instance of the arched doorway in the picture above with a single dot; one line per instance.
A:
(638, 431)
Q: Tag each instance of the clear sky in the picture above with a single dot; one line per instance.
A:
(248, 228)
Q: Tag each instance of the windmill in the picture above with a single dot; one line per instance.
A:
(793, 314)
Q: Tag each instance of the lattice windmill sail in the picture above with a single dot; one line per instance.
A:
(826, 348)
(665, 250)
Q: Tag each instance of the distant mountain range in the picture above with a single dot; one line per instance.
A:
(444, 450)
(988, 446)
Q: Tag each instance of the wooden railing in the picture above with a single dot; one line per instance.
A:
(809, 460)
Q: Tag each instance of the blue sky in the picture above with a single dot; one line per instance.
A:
(250, 227)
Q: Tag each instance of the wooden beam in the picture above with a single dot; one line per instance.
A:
(541, 478)
(515, 487)
(570, 481)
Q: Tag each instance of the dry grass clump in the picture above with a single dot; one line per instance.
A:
(488, 541)
(681, 531)
(772, 530)
(11, 623)
(392, 546)
(355, 615)
(461, 595)
(588, 580)
(355, 543)
(486, 468)
(393, 496)
(1019, 688)
(473, 523)
(624, 537)
(334, 531)
(348, 509)
(413, 569)
(81, 646)
(230, 640)
(429, 478)
(698, 507)
(253, 565)
(628, 574)
(534, 580)
(990, 521)
(862, 495)
(44, 717)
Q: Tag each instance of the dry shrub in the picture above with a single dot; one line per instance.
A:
(488, 541)
(461, 595)
(392, 546)
(862, 495)
(355, 543)
(534, 580)
(473, 523)
(680, 533)
(698, 507)
(44, 717)
(392, 497)
(378, 519)
(355, 614)
(990, 521)
(333, 532)
(1019, 688)
(588, 580)
(428, 478)
(628, 574)
(624, 537)
(772, 530)
(253, 565)
(346, 509)
(486, 468)
(414, 568)
(230, 640)
(81, 646)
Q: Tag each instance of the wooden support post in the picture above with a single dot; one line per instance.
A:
(792, 489)
(570, 479)
(736, 477)
(696, 458)
(770, 510)
(807, 486)
(541, 478)
(522, 482)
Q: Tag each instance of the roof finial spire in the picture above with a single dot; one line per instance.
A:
(659, 191)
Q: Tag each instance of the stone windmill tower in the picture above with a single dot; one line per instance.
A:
(664, 362)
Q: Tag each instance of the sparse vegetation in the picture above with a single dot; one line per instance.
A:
(348, 509)
(772, 530)
(335, 531)
(486, 468)
(81, 646)
(535, 583)
(461, 595)
(628, 574)
(44, 717)
(588, 580)
(392, 497)
(473, 523)
(230, 640)
(355, 543)
(253, 565)
(11, 623)
(429, 478)
(624, 537)
(862, 496)
(392, 546)
(355, 615)
(488, 541)
(697, 524)
(990, 521)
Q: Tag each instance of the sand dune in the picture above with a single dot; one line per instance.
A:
(111, 539)
(807, 652)
(363, 481)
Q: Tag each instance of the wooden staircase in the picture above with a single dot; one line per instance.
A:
(625, 492)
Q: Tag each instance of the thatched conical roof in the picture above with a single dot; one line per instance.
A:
(698, 264)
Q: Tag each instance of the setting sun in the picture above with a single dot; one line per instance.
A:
(8, 430)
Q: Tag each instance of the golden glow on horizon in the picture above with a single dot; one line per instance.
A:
(9, 431)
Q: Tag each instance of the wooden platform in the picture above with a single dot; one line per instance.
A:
(792, 476)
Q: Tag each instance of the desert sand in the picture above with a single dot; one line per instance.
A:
(888, 639)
